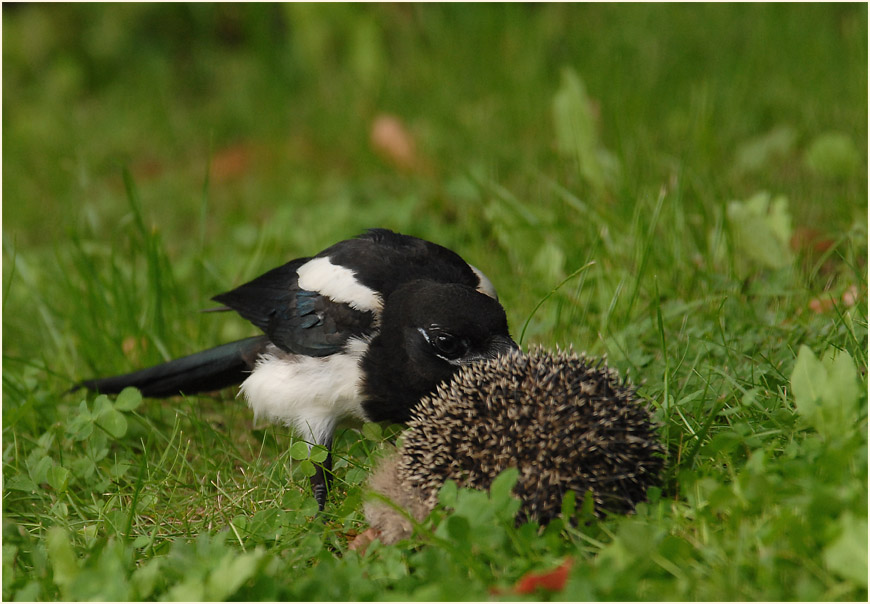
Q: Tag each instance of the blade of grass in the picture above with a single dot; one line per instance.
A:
(549, 295)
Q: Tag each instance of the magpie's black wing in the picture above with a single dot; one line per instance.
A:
(383, 261)
(296, 320)
(344, 289)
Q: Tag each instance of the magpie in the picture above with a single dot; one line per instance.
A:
(359, 332)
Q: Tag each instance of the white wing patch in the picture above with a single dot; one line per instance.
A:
(311, 395)
(484, 285)
(338, 284)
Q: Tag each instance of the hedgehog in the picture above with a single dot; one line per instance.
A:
(567, 422)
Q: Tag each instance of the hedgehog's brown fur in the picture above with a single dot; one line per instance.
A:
(391, 524)
(565, 421)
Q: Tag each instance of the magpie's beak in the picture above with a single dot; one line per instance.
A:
(502, 345)
(496, 346)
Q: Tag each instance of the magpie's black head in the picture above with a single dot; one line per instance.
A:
(428, 331)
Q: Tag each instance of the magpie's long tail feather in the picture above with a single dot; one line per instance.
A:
(204, 371)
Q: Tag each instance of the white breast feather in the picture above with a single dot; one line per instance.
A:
(309, 394)
(339, 284)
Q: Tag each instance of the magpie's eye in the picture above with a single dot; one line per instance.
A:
(448, 345)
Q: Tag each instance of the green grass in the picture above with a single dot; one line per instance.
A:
(605, 165)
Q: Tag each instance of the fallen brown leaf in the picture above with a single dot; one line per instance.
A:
(134, 347)
(806, 239)
(393, 142)
(363, 540)
(553, 580)
(820, 305)
(231, 162)
(850, 296)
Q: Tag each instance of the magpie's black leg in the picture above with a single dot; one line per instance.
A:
(321, 480)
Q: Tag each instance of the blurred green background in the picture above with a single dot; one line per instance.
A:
(692, 178)
(247, 129)
(290, 93)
